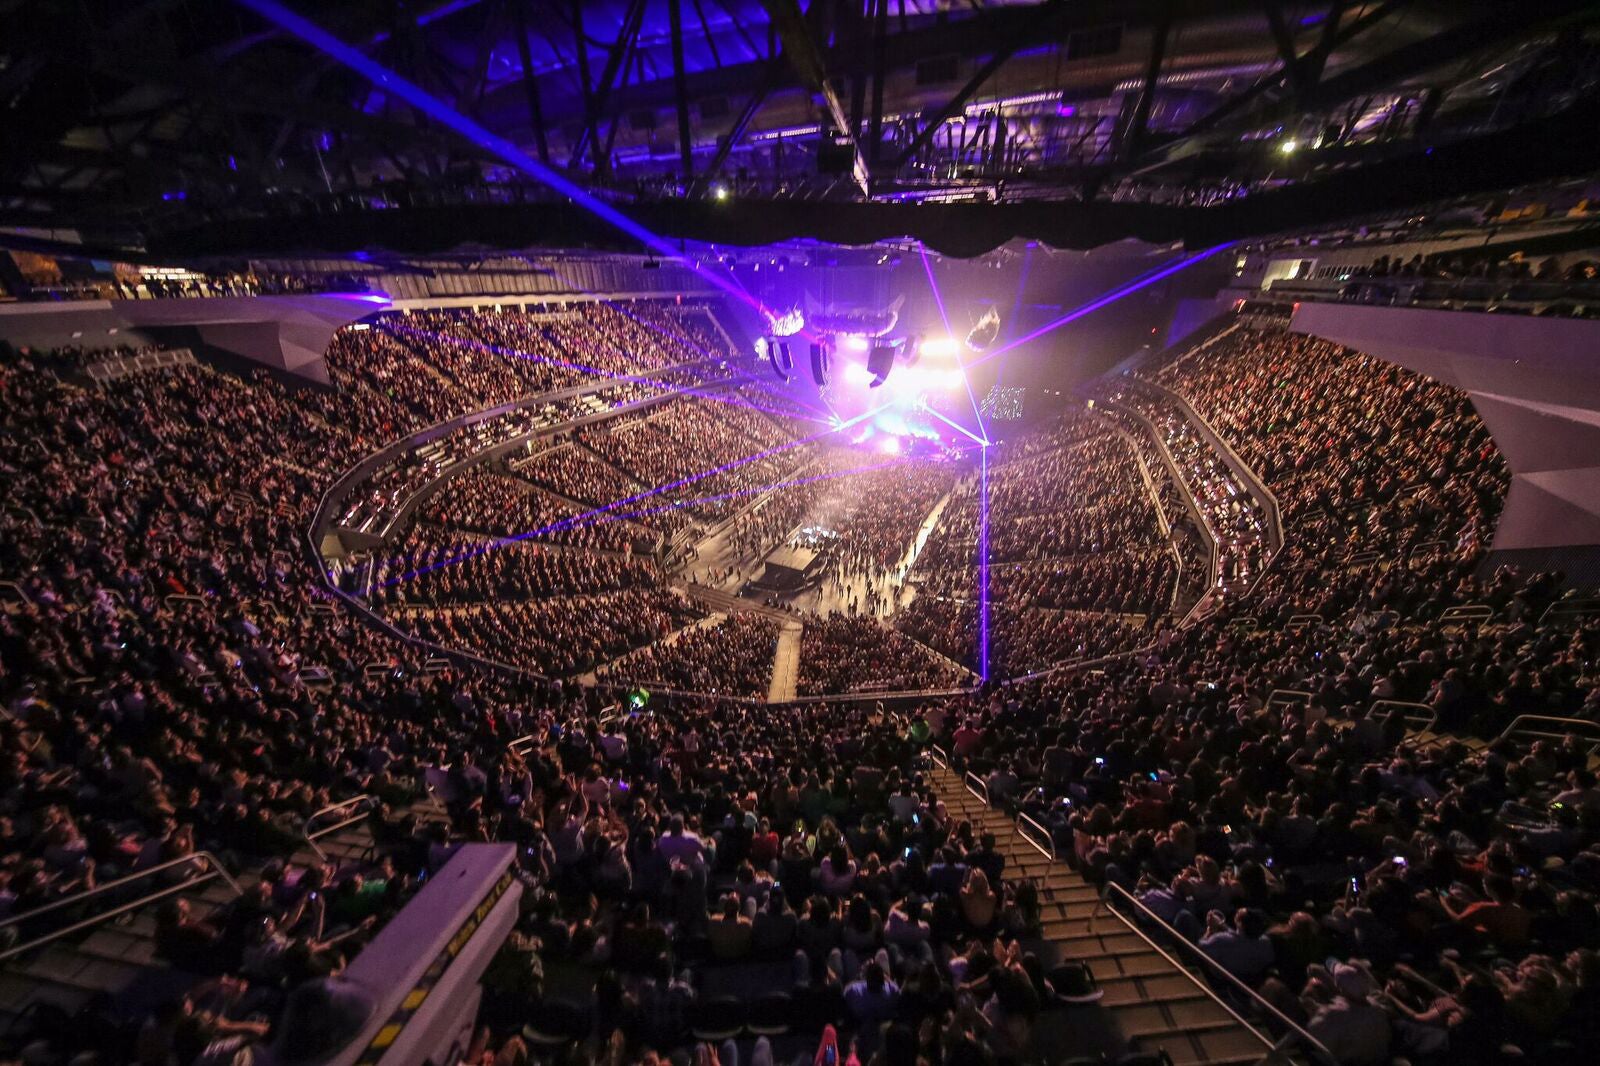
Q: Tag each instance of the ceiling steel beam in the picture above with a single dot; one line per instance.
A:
(741, 124)
(880, 40)
(1024, 33)
(585, 83)
(1269, 82)
(1288, 52)
(680, 90)
(530, 81)
(1498, 25)
(798, 32)
(1139, 123)
(601, 93)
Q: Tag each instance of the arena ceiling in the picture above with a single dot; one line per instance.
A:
(203, 127)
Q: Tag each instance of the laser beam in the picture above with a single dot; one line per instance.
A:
(1142, 282)
(938, 300)
(566, 523)
(391, 83)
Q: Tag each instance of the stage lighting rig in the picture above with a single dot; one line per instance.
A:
(787, 324)
(880, 360)
(821, 361)
(778, 355)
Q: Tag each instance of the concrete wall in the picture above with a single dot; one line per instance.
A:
(1534, 381)
(288, 333)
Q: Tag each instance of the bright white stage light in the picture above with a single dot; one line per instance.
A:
(856, 374)
(940, 347)
(889, 445)
(854, 342)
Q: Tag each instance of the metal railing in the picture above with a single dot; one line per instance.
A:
(1046, 844)
(1419, 717)
(1547, 727)
(1466, 613)
(1288, 697)
(1290, 1034)
(346, 813)
(1570, 611)
(1426, 549)
(524, 744)
(969, 779)
(210, 867)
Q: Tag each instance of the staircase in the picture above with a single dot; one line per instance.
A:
(1152, 1002)
(112, 952)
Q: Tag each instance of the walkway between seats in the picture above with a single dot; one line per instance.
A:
(785, 664)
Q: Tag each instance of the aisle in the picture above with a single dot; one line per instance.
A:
(785, 664)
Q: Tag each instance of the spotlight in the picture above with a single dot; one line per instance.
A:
(939, 347)
(719, 192)
(1289, 146)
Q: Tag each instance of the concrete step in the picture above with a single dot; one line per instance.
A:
(18, 992)
(111, 942)
(1157, 1005)
(65, 965)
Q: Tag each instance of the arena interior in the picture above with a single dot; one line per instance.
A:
(736, 533)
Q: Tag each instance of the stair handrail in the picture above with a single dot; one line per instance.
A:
(1026, 821)
(1318, 1050)
(982, 791)
(365, 802)
(211, 867)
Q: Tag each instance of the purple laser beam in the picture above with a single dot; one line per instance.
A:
(601, 517)
(1141, 282)
(983, 564)
(391, 83)
(1016, 305)
(958, 427)
(638, 379)
(492, 545)
(938, 300)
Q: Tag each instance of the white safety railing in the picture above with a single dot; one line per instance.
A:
(1045, 843)
(337, 816)
(207, 867)
(1288, 697)
(1465, 614)
(1570, 611)
(1419, 717)
(1528, 727)
(1290, 1035)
